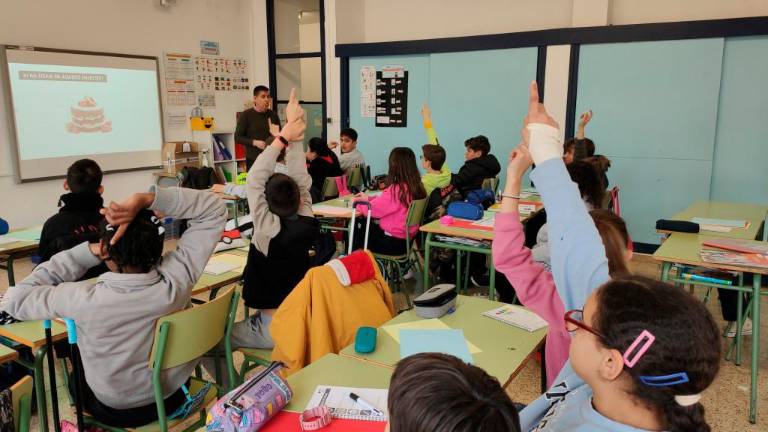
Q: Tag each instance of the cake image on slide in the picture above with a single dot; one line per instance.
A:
(88, 117)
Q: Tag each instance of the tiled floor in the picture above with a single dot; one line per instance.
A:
(726, 402)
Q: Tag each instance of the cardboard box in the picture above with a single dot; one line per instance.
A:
(181, 154)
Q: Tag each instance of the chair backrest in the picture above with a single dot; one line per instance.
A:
(491, 184)
(22, 389)
(329, 188)
(415, 216)
(355, 177)
(186, 335)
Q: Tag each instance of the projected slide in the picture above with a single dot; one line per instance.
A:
(70, 106)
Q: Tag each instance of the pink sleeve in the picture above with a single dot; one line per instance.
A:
(382, 205)
(532, 282)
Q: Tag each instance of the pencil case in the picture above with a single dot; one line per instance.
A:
(677, 226)
(465, 210)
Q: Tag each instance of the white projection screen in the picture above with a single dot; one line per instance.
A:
(69, 105)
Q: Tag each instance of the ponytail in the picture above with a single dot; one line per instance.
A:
(685, 418)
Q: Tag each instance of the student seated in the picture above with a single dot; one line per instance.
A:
(284, 230)
(321, 164)
(533, 283)
(580, 147)
(79, 214)
(348, 154)
(479, 165)
(642, 351)
(434, 392)
(116, 314)
(390, 209)
(437, 175)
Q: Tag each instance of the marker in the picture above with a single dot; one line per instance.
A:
(697, 278)
(367, 405)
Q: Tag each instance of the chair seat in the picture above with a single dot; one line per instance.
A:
(194, 386)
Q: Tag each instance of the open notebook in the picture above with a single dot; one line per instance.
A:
(342, 406)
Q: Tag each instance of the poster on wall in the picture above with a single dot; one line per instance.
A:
(179, 79)
(221, 74)
(367, 91)
(392, 97)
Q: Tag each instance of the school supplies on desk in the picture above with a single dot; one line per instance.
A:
(424, 324)
(517, 317)
(286, 421)
(463, 241)
(734, 258)
(28, 235)
(218, 268)
(220, 261)
(447, 341)
(730, 223)
(343, 407)
(736, 245)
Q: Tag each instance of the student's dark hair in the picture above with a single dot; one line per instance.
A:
(319, 146)
(435, 154)
(260, 88)
(434, 392)
(282, 194)
(588, 179)
(349, 132)
(589, 146)
(140, 247)
(404, 173)
(84, 176)
(568, 145)
(613, 231)
(479, 143)
(687, 340)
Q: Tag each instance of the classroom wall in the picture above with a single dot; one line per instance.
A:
(131, 27)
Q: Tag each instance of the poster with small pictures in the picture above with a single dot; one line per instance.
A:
(220, 74)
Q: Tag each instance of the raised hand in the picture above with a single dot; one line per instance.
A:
(295, 126)
(540, 130)
(584, 118)
(122, 214)
(537, 112)
(518, 163)
(274, 129)
(426, 113)
(293, 110)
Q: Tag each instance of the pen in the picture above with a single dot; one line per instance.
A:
(367, 405)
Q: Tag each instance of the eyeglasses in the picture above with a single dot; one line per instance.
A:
(574, 320)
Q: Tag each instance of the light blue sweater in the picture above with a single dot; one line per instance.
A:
(579, 266)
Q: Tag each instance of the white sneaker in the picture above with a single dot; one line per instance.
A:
(746, 329)
(409, 275)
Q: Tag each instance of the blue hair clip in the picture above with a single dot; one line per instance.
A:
(665, 380)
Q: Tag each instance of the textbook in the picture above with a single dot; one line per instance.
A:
(517, 317)
(734, 258)
(736, 245)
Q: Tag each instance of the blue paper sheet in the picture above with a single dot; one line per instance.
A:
(449, 341)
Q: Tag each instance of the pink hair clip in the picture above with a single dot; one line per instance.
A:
(646, 338)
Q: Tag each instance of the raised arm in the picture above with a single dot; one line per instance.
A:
(579, 264)
(49, 291)
(426, 117)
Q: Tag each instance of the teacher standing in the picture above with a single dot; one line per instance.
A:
(252, 129)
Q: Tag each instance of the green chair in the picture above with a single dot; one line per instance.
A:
(396, 265)
(330, 190)
(491, 184)
(252, 358)
(355, 178)
(182, 337)
(21, 395)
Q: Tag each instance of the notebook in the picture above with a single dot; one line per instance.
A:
(734, 258)
(423, 324)
(286, 421)
(742, 246)
(450, 341)
(343, 407)
(235, 263)
(731, 223)
(217, 268)
(517, 317)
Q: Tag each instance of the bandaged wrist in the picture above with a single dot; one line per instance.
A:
(544, 142)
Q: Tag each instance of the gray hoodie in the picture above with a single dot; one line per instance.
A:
(116, 315)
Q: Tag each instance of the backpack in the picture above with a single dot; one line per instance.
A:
(483, 197)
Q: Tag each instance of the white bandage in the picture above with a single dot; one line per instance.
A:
(544, 143)
(688, 400)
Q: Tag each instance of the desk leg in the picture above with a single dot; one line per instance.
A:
(427, 247)
(9, 264)
(756, 283)
(665, 266)
(739, 324)
(42, 409)
(543, 367)
(492, 282)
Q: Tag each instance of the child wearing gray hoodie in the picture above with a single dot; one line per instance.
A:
(116, 314)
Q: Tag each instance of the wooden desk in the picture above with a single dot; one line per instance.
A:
(26, 246)
(213, 283)
(7, 354)
(31, 334)
(683, 248)
(505, 348)
(334, 370)
(436, 228)
(753, 213)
